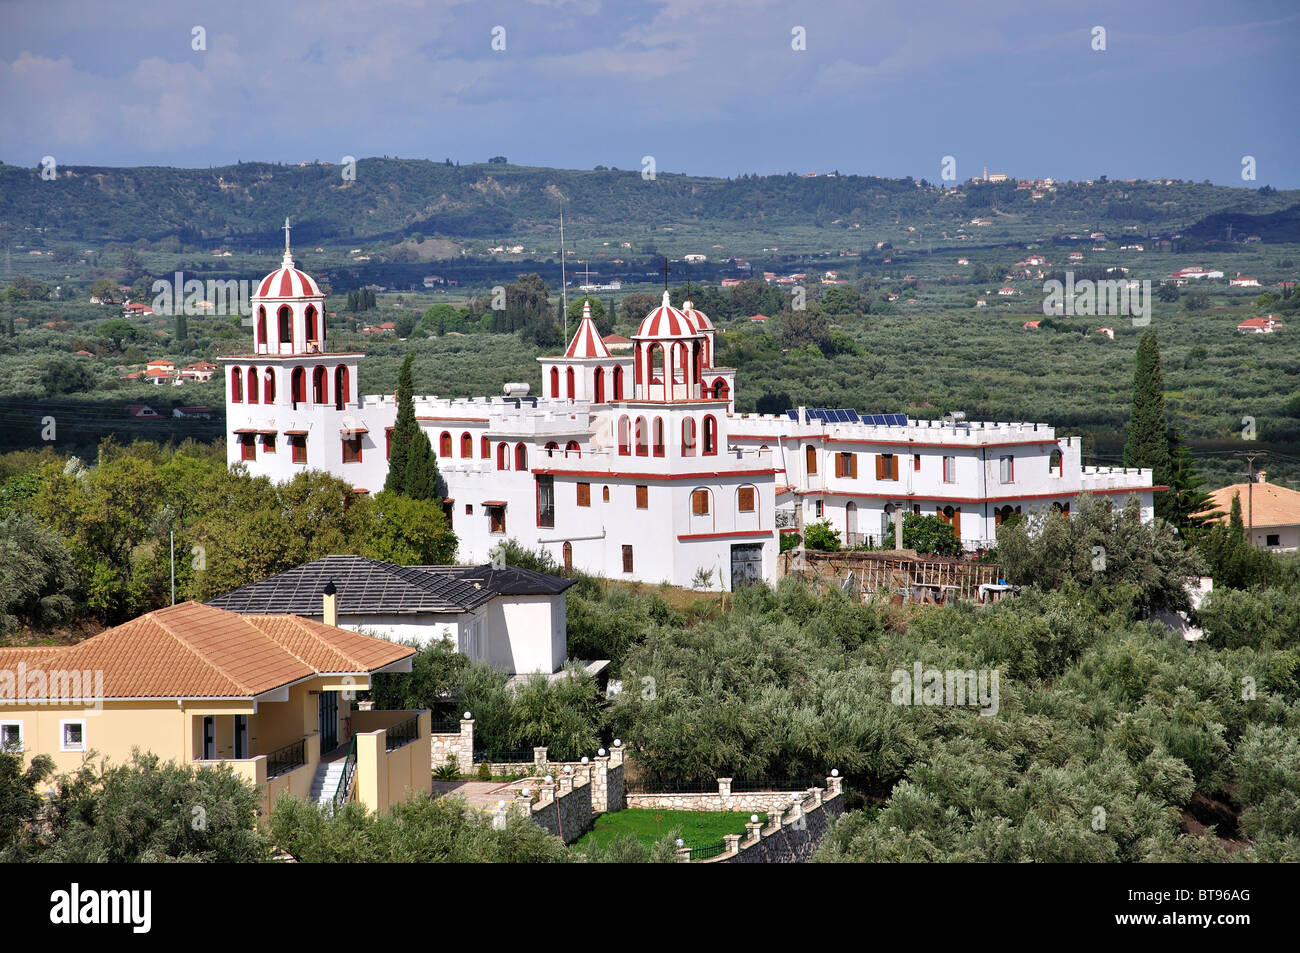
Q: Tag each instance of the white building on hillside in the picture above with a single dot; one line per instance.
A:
(634, 465)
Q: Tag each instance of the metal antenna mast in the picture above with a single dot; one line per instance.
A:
(564, 284)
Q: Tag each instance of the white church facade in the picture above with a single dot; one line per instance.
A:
(633, 464)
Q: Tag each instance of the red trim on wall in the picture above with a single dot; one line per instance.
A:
(742, 532)
(670, 477)
(979, 499)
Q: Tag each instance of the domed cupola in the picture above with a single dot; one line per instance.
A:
(669, 354)
(288, 310)
(702, 323)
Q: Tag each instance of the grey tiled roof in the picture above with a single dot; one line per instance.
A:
(365, 586)
(507, 581)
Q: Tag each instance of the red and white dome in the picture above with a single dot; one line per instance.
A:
(666, 321)
(287, 281)
(697, 318)
(586, 341)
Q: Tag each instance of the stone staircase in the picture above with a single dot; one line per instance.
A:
(326, 782)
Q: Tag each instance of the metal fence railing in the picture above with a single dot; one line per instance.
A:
(402, 733)
(503, 755)
(283, 760)
(707, 851)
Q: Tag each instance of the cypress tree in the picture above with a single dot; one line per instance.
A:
(1236, 526)
(182, 326)
(1148, 431)
(405, 429)
(421, 470)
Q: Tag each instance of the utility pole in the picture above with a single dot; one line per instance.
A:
(1250, 456)
(564, 284)
(172, 535)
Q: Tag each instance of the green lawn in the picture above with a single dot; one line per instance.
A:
(698, 828)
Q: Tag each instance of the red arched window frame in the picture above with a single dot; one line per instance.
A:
(260, 334)
(720, 391)
(624, 437)
(268, 392)
(555, 382)
(342, 388)
(485, 449)
(319, 385)
(568, 383)
(688, 436)
(710, 435)
(521, 457)
(236, 385)
(444, 445)
(551, 447)
(572, 446)
(598, 379)
(659, 437)
(313, 335)
(503, 463)
(285, 316)
(252, 385)
(642, 438)
(466, 446)
(618, 383)
(298, 385)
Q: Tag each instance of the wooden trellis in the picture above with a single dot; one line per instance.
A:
(921, 579)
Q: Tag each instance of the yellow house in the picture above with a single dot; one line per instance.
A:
(270, 695)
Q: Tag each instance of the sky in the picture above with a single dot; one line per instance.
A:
(1184, 89)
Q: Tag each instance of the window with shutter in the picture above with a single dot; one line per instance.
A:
(584, 494)
(627, 558)
(642, 497)
(700, 503)
(745, 499)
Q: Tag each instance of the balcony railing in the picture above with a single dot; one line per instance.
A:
(283, 760)
(403, 733)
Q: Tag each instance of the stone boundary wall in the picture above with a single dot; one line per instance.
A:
(564, 810)
(444, 744)
(724, 800)
(791, 835)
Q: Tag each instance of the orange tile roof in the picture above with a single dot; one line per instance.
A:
(191, 650)
(1269, 504)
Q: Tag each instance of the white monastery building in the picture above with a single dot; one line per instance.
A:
(633, 464)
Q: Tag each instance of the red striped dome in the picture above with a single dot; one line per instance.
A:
(586, 342)
(288, 282)
(697, 318)
(666, 321)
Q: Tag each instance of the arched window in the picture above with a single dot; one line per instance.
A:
(624, 437)
(1054, 463)
(252, 385)
(503, 462)
(286, 324)
(521, 457)
(342, 391)
(656, 364)
(268, 392)
(599, 379)
(555, 382)
(688, 436)
(444, 445)
(618, 383)
(551, 448)
(720, 391)
(851, 523)
(298, 386)
(260, 334)
(568, 383)
(642, 438)
(319, 386)
(466, 446)
(572, 447)
(485, 449)
(567, 550)
(312, 330)
(710, 434)
(658, 435)
(680, 359)
(236, 385)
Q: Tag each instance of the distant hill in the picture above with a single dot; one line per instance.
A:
(1279, 226)
(243, 206)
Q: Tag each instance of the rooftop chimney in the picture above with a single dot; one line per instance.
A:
(330, 604)
(1259, 476)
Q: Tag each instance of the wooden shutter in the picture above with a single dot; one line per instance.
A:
(642, 497)
(893, 467)
(853, 465)
(584, 494)
(700, 503)
(880, 466)
(627, 558)
(956, 522)
(745, 499)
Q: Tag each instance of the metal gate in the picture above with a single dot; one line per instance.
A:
(746, 564)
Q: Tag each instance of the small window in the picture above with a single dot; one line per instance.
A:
(247, 446)
(567, 550)
(496, 519)
(444, 444)
(1054, 463)
(627, 558)
(1007, 469)
(846, 465)
(642, 497)
(352, 448)
(699, 502)
(268, 443)
(949, 469)
(584, 494)
(72, 735)
(1273, 539)
(11, 737)
(545, 500)
(745, 499)
(916, 462)
(469, 509)
(810, 458)
(819, 508)
(886, 466)
(605, 494)
(466, 446)
(298, 441)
